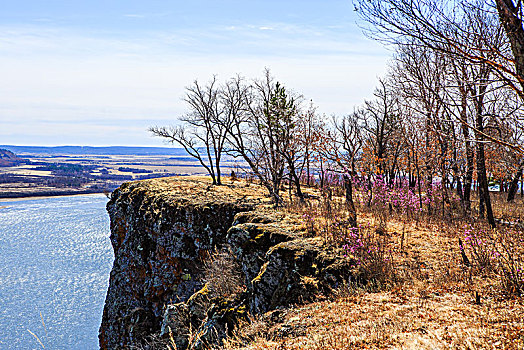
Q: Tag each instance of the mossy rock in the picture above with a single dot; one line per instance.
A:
(223, 317)
(250, 242)
(297, 272)
(253, 217)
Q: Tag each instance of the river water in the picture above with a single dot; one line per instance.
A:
(55, 259)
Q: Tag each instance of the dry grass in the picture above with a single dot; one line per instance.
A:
(399, 319)
(194, 188)
(440, 302)
(222, 274)
(508, 211)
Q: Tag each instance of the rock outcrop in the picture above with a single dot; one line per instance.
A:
(163, 229)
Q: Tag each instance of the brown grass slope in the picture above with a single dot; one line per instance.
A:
(436, 300)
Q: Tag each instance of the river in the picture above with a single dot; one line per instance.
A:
(55, 259)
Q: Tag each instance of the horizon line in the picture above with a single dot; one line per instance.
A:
(91, 146)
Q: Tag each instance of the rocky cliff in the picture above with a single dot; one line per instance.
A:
(163, 230)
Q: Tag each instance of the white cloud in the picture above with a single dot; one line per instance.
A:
(108, 89)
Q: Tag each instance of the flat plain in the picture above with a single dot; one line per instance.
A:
(48, 173)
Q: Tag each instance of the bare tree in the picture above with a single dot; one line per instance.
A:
(380, 121)
(203, 133)
(419, 77)
(263, 118)
(469, 32)
(342, 147)
(307, 127)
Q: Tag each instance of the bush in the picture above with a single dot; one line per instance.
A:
(222, 274)
(510, 261)
(500, 251)
(369, 246)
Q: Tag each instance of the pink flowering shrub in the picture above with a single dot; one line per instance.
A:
(380, 201)
(366, 244)
(384, 199)
(374, 260)
(500, 251)
(510, 260)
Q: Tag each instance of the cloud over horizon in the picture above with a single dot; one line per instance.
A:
(127, 78)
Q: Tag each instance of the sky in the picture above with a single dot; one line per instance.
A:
(100, 73)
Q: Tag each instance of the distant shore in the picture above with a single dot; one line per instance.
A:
(13, 196)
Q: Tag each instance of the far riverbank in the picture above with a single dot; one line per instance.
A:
(30, 198)
(9, 196)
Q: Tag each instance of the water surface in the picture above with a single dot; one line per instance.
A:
(55, 258)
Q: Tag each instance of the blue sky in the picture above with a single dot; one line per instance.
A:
(102, 72)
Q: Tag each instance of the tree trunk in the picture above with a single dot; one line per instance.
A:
(514, 186)
(349, 201)
(481, 173)
(419, 187)
(219, 175)
(522, 187)
(468, 179)
(308, 169)
(370, 190)
(480, 192)
(510, 17)
(321, 174)
(294, 177)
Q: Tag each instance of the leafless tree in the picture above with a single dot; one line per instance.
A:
(344, 148)
(380, 121)
(471, 33)
(308, 125)
(263, 130)
(203, 133)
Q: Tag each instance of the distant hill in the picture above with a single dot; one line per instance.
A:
(8, 158)
(88, 150)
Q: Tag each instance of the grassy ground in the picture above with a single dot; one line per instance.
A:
(434, 299)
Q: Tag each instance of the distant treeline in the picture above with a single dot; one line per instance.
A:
(65, 168)
(134, 170)
(88, 150)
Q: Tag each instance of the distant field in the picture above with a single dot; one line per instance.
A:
(47, 173)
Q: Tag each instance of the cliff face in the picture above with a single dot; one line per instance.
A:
(161, 231)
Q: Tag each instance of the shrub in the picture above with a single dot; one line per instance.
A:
(500, 251)
(370, 247)
(222, 274)
(480, 246)
(510, 260)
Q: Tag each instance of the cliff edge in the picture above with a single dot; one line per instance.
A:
(162, 232)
